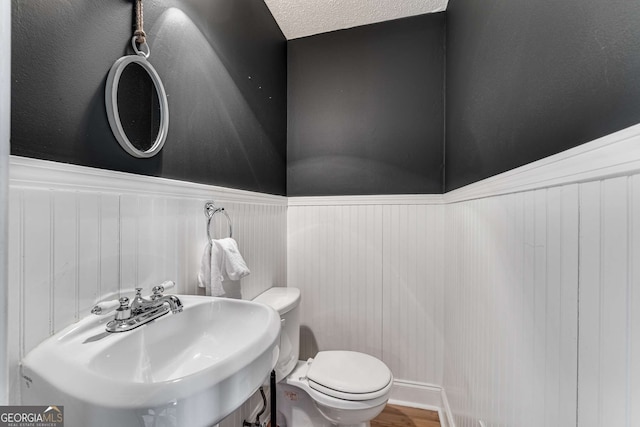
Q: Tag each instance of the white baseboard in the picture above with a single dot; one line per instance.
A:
(416, 395)
(422, 396)
(446, 416)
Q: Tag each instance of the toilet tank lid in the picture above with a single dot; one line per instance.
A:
(282, 300)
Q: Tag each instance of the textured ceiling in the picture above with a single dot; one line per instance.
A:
(300, 18)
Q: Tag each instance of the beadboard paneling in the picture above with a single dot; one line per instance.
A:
(70, 248)
(609, 366)
(541, 308)
(413, 291)
(335, 258)
(634, 301)
(511, 309)
(563, 297)
(371, 277)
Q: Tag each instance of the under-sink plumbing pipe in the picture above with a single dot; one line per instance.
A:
(257, 422)
(272, 385)
(273, 417)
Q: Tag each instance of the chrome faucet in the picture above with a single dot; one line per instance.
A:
(143, 310)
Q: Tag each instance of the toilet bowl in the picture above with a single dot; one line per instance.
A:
(334, 388)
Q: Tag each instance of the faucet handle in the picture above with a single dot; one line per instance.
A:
(138, 292)
(105, 307)
(159, 290)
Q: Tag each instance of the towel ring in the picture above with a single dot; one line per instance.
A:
(209, 211)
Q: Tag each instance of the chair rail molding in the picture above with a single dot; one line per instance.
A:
(34, 173)
(358, 200)
(616, 154)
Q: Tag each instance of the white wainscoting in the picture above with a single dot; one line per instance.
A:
(542, 303)
(542, 291)
(609, 338)
(371, 272)
(78, 235)
(511, 309)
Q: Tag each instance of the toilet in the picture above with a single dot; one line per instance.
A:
(334, 388)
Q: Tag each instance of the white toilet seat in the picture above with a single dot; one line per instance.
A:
(350, 405)
(349, 375)
(352, 397)
(339, 399)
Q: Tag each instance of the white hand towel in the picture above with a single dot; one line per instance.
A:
(220, 258)
(204, 275)
(234, 265)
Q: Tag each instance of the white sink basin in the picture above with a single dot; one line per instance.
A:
(186, 369)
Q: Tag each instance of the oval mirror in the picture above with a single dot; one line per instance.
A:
(137, 106)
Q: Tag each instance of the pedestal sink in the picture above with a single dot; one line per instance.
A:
(187, 369)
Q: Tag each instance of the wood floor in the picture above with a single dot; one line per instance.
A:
(401, 416)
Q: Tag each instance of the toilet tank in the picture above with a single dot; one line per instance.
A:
(285, 301)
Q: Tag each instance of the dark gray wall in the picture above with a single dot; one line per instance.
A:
(365, 109)
(528, 79)
(524, 80)
(223, 64)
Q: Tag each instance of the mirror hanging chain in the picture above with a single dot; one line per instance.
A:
(139, 36)
(139, 33)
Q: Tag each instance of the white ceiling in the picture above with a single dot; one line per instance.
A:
(300, 18)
